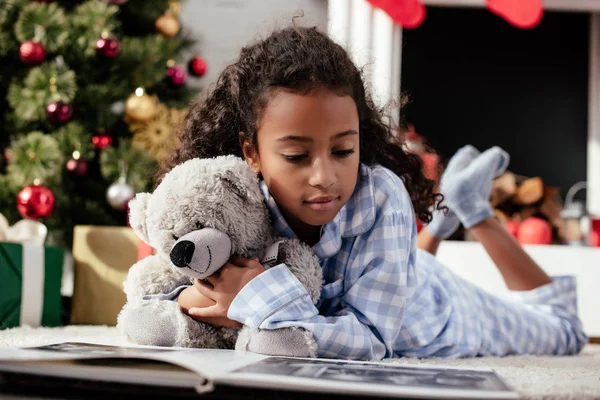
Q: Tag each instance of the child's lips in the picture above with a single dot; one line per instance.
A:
(324, 203)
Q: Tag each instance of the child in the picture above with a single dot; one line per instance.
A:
(295, 107)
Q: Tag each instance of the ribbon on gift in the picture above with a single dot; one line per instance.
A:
(25, 231)
(31, 235)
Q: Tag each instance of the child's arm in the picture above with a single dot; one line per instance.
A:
(378, 282)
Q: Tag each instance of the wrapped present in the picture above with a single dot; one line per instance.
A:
(103, 256)
(30, 276)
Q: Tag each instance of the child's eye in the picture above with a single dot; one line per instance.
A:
(295, 158)
(343, 153)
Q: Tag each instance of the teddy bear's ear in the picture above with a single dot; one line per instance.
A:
(137, 215)
(243, 184)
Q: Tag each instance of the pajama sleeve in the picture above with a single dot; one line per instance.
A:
(373, 294)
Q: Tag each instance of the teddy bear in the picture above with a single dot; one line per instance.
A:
(200, 214)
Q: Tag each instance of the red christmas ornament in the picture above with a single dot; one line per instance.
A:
(512, 227)
(32, 52)
(108, 47)
(59, 112)
(197, 66)
(76, 167)
(35, 201)
(523, 14)
(534, 230)
(407, 13)
(101, 141)
(176, 75)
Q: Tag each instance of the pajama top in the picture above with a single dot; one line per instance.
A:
(381, 297)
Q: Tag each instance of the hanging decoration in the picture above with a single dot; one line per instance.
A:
(59, 112)
(409, 14)
(168, 25)
(35, 201)
(524, 14)
(197, 66)
(32, 52)
(140, 106)
(107, 46)
(157, 136)
(77, 166)
(101, 140)
(175, 74)
(120, 193)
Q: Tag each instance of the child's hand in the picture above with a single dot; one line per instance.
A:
(223, 286)
(190, 298)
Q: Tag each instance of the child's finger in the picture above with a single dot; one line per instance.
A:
(205, 289)
(207, 312)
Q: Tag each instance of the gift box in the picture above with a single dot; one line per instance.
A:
(30, 285)
(103, 256)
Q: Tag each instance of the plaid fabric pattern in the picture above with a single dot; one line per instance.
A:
(383, 298)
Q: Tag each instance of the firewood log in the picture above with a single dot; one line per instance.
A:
(529, 192)
(503, 188)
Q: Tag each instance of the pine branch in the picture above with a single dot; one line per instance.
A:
(90, 21)
(42, 85)
(140, 166)
(147, 57)
(50, 17)
(144, 13)
(9, 11)
(74, 137)
(34, 156)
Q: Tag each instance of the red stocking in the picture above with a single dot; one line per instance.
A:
(523, 14)
(407, 13)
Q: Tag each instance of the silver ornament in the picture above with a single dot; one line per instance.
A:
(119, 194)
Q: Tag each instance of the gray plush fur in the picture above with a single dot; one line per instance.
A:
(221, 197)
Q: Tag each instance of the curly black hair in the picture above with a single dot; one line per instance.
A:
(296, 59)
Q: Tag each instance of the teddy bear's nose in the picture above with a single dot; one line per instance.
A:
(182, 253)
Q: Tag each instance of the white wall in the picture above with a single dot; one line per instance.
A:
(223, 27)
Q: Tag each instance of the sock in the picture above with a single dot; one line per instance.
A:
(443, 225)
(468, 191)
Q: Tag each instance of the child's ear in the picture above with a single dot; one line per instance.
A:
(250, 153)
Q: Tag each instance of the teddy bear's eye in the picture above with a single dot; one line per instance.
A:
(199, 225)
(175, 237)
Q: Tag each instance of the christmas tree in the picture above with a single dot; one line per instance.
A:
(91, 93)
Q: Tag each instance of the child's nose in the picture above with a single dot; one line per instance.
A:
(322, 174)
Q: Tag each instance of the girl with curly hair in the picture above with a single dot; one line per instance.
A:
(295, 107)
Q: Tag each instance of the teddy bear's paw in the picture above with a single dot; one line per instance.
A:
(289, 342)
(302, 262)
(152, 322)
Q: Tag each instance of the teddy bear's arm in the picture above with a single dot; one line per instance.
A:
(302, 262)
(151, 276)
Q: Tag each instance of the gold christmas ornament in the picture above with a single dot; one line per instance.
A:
(157, 136)
(175, 7)
(168, 25)
(140, 106)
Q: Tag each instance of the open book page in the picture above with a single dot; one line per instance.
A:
(202, 369)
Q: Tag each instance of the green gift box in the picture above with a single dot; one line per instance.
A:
(30, 283)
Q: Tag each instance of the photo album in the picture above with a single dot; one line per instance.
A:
(207, 370)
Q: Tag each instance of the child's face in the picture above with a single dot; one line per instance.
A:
(308, 154)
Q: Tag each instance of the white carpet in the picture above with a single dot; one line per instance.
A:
(576, 377)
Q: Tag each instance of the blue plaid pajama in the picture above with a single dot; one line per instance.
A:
(383, 298)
